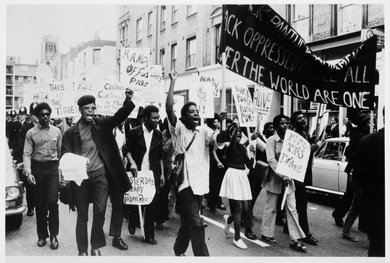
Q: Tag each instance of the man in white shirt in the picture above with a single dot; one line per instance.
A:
(144, 149)
(196, 173)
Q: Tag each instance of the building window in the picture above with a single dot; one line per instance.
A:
(150, 23)
(191, 52)
(173, 56)
(123, 33)
(162, 58)
(217, 41)
(349, 18)
(191, 9)
(96, 56)
(300, 20)
(8, 91)
(73, 65)
(138, 33)
(174, 14)
(162, 17)
(85, 59)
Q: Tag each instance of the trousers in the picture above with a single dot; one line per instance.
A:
(191, 226)
(94, 189)
(46, 197)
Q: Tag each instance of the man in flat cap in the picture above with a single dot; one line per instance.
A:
(40, 160)
(92, 137)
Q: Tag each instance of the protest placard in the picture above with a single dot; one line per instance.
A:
(204, 99)
(244, 105)
(215, 84)
(143, 189)
(134, 66)
(294, 156)
(262, 99)
(59, 95)
(261, 46)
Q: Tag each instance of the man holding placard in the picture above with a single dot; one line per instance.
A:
(92, 137)
(144, 150)
(283, 167)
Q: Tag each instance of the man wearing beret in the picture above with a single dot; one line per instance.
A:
(40, 160)
(92, 137)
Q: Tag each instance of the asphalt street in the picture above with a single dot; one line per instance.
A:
(22, 242)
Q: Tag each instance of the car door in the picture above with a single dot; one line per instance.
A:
(326, 166)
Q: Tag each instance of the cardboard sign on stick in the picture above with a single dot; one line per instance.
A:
(294, 156)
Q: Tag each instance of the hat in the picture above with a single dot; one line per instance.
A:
(32, 107)
(13, 114)
(22, 111)
(86, 99)
(41, 106)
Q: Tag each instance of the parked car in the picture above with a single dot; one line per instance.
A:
(14, 202)
(328, 167)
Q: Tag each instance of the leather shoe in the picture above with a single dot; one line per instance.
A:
(53, 242)
(160, 226)
(131, 229)
(268, 239)
(151, 241)
(250, 235)
(83, 253)
(95, 252)
(221, 207)
(309, 239)
(338, 220)
(119, 243)
(30, 212)
(298, 246)
(41, 242)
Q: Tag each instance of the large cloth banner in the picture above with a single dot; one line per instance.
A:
(261, 46)
(143, 189)
(262, 99)
(244, 105)
(294, 156)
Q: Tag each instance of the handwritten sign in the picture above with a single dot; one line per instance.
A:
(262, 99)
(215, 84)
(261, 46)
(294, 156)
(204, 99)
(134, 66)
(59, 95)
(244, 105)
(143, 189)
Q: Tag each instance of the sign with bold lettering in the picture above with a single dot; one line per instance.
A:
(294, 156)
(261, 46)
(143, 189)
(244, 105)
(262, 99)
(134, 66)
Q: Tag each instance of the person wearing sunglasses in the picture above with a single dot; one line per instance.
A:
(92, 137)
(40, 160)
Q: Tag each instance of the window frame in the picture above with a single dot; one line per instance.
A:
(188, 54)
(163, 18)
(138, 30)
(93, 56)
(173, 56)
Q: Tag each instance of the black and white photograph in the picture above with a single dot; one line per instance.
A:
(212, 129)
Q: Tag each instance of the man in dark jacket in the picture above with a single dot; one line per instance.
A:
(369, 176)
(93, 138)
(144, 149)
(299, 126)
